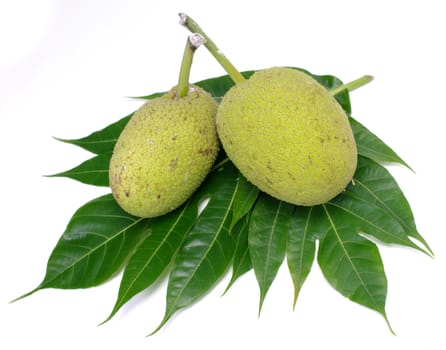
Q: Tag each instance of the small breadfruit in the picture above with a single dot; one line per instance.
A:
(164, 153)
(288, 136)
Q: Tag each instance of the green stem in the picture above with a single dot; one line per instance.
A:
(190, 24)
(193, 42)
(352, 85)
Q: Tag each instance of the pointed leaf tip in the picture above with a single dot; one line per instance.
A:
(301, 247)
(155, 252)
(208, 248)
(24, 296)
(160, 326)
(93, 171)
(97, 241)
(351, 263)
(267, 239)
(389, 325)
(376, 194)
(371, 146)
(241, 262)
(101, 141)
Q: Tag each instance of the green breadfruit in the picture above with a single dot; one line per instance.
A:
(288, 136)
(164, 153)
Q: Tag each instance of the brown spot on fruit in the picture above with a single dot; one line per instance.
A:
(173, 163)
(205, 152)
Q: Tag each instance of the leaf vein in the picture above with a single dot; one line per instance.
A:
(90, 252)
(347, 256)
(204, 256)
(371, 223)
(154, 254)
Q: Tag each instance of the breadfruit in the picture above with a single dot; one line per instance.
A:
(288, 136)
(164, 153)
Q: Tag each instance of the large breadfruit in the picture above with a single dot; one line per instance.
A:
(288, 136)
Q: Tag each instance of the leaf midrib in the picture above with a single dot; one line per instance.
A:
(341, 243)
(155, 252)
(172, 308)
(384, 204)
(301, 257)
(87, 256)
(273, 228)
(78, 172)
(371, 223)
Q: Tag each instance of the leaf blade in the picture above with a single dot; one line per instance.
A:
(155, 252)
(371, 146)
(375, 193)
(244, 199)
(89, 253)
(208, 248)
(353, 265)
(267, 238)
(301, 248)
(242, 261)
(101, 141)
(93, 171)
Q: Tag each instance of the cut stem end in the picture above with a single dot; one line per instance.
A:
(194, 41)
(192, 26)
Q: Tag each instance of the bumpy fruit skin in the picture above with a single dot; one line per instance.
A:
(164, 153)
(288, 136)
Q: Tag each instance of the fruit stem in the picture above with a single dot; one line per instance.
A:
(352, 85)
(190, 24)
(194, 41)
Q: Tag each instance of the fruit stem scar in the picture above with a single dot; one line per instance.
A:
(193, 42)
(357, 83)
(190, 24)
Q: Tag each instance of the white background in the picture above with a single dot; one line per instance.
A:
(66, 68)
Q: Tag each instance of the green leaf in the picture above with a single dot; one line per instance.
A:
(242, 261)
(373, 205)
(97, 241)
(352, 264)
(102, 141)
(244, 199)
(165, 236)
(151, 96)
(370, 146)
(375, 186)
(366, 217)
(218, 86)
(91, 172)
(239, 225)
(301, 247)
(208, 248)
(268, 233)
